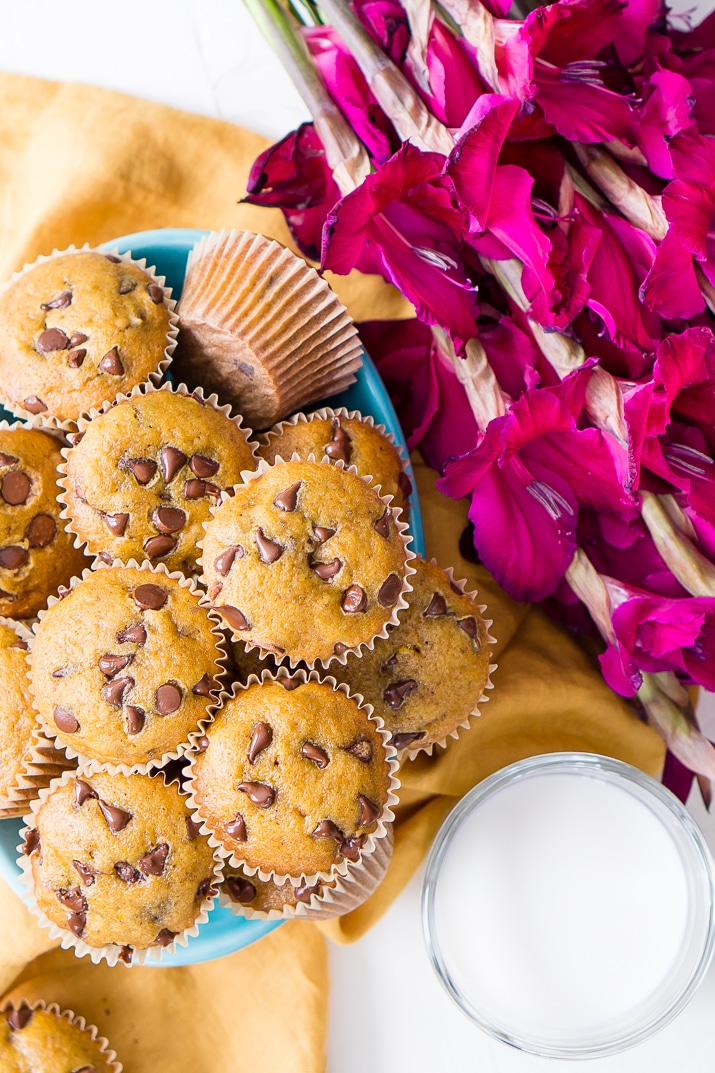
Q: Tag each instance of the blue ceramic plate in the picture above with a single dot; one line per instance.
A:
(167, 250)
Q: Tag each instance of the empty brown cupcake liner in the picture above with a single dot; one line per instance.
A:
(281, 308)
(91, 766)
(46, 421)
(141, 389)
(110, 952)
(109, 1055)
(384, 822)
(42, 762)
(402, 531)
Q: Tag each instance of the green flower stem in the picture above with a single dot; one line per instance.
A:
(694, 572)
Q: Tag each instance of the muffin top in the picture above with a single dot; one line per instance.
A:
(294, 778)
(358, 443)
(17, 717)
(427, 677)
(77, 329)
(140, 480)
(123, 666)
(32, 1040)
(262, 896)
(36, 554)
(304, 560)
(116, 859)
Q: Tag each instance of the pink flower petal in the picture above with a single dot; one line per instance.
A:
(473, 161)
(665, 111)
(671, 288)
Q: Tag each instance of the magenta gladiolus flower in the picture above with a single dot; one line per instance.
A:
(666, 110)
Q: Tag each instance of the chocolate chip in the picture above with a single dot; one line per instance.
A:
(240, 889)
(61, 301)
(134, 634)
(31, 842)
(76, 922)
(401, 741)
(361, 749)
(111, 363)
(382, 525)
(202, 466)
(113, 692)
(323, 533)
(236, 829)
(13, 557)
(52, 339)
(205, 889)
(436, 607)
(135, 719)
(34, 405)
(142, 468)
(165, 937)
(65, 720)
(168, 699)
(350, 848)
(354, 600)
(72, 898)
(258, 792)
(204, 686)
(159, 546)
(469, 625)
(339, 648)
(268, 550)
(405, 484)
(214, 591)
(202, 744)
(42, 531)
(125, 955)
(117, 819)
(86, 874)
(20, 644)
(127, 285)
(111, 257)
(389, 591)
(305, 892)
(83, 792)
(62, 591)
(235, 618)
(169, 519)
(327, 570)
(313, 752)
(8, 460)
(15, 488)
(76, 357)
(171, 459)
(111, 665)
(288, 499)
(17, 1019)
(394, 695)
(369, 811)
(150, 597)
(77, 338)
(153, 862)
(105, 557)
(327, 829)
(116, 523)
(389, 663)
(195, 489)
(193, 827)
(224, 561)
(261, 738)
(127, 872)
(289, 684)
(156, 293)
(339, 446)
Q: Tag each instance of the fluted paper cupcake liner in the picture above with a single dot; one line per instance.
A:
(109, 1055)
(284, 315)
(47, 421)
(401, 528)
(144, 389)
(384, 821)
(91, 766)
(109, 952)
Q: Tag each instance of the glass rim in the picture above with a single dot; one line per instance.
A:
(690, 840)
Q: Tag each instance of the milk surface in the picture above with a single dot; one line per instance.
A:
(561, 905)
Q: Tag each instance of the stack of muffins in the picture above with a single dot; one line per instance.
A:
(232, 645)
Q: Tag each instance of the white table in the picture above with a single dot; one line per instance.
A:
(388, 1012)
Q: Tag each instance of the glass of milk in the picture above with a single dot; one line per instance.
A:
(568, 905)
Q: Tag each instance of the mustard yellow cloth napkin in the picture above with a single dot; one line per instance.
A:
(85, 165)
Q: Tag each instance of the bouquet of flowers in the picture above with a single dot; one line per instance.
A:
(542, 190)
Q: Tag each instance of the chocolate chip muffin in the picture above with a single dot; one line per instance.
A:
(124, 667)
(429, 675)
(305, 560)
(263, 897)
(76, 329)
(337, 434)
(38, 1038)
(37, 555)
(293, 780)
(139, 482)
(116, 861)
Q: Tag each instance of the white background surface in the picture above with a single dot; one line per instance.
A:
(388, 1011)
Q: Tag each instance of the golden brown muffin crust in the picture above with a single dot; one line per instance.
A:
(17, 716)
(44, 1040)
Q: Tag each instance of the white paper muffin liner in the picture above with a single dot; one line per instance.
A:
(47, 421)
(109, 1055)
(403, 532)
(386, 817)
(91, 766)
(83, 422)
(111, 951)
